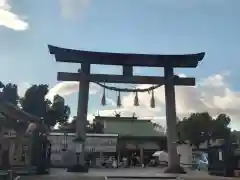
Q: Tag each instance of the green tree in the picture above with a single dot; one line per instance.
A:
(97, 127)
(35, 103)
(11, 93)
(201, 127)
(94, 127)
(235, 136)
(58, 111)
(220, 127)
(69, 126)
(157, 127)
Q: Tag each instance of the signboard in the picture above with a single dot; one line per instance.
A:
(92, 144)
(9, 133)
(101, 144)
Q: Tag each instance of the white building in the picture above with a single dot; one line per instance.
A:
(97, 144)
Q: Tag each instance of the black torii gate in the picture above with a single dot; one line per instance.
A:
(168, 62)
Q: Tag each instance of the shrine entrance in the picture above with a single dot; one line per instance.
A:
(127, 61)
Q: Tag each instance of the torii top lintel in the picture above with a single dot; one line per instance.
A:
(125, 59)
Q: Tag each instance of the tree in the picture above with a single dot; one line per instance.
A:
(58, 111)
(201, 127)
(11, 93)
(97, 127)
(220, 127)
(158, 127)
(94, 127)
(69, 126)
(235, 136)
(35, 103)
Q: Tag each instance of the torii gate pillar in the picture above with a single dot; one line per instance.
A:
(82, 110)
(171, 121)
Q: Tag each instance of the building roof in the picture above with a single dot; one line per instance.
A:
(54, 133)
(16, 113)
(129, 59)
(119, 118)
(127, 126)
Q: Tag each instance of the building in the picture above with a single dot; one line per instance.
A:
(120, 137)
(19, 144)
(134, 135)
(97, 147)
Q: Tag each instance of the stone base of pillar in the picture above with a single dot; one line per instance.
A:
(78, 168)
(174, 170)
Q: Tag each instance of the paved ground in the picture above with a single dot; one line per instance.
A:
(102, 174)
(130, 172)
(136, 179)
(123, 173)
(118, 174)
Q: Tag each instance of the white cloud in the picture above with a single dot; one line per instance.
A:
(67, 88)
(9, 19)
(111, 102)
(22, 87)
(73, 9)
(212, 94)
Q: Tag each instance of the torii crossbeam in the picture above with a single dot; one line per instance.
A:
(168, 62)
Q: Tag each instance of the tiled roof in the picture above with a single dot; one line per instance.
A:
(130, 127)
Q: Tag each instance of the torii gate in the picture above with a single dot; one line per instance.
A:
(127, 61)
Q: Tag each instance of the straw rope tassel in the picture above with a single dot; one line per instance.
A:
(152, 102)
(136, 101)
(104, 98)
(119, 103)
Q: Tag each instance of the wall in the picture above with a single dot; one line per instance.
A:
(62, 144)
(101, 144)
(16, 146)
(185, 152)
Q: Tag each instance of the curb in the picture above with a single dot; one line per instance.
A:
(142, 177)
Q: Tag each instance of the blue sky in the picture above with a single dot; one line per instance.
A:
(138, 26)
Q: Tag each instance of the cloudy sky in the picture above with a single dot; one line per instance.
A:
(138, 26)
